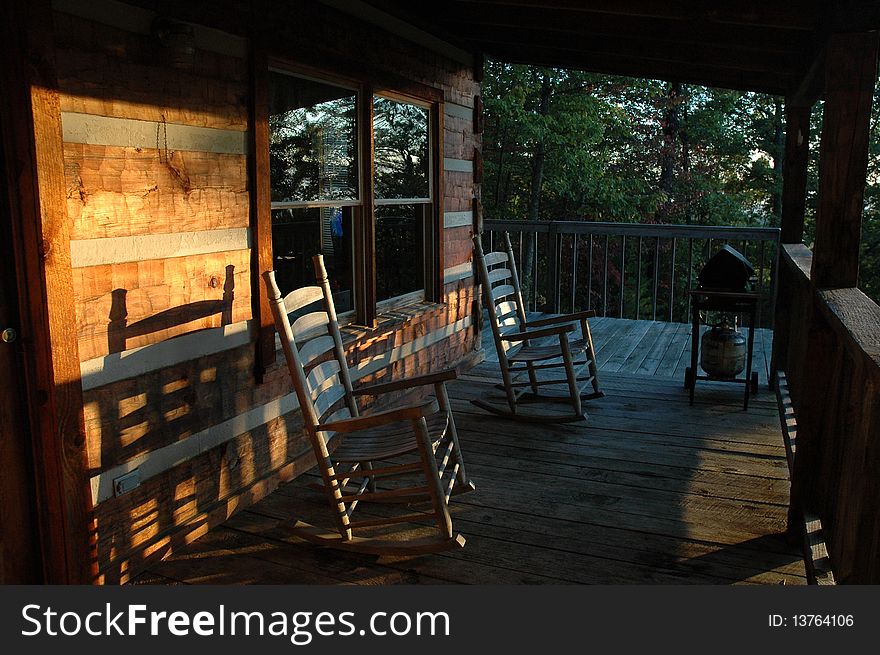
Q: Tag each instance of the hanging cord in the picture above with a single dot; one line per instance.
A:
(162, 148)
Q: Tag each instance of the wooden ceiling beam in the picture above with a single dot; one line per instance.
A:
(709, 55)
(794, 14)
(613, 64)
(562, 22)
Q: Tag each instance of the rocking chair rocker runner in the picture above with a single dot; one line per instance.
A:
(514, 338)
(353, 451)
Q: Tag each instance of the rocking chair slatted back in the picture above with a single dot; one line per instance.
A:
(314, 350)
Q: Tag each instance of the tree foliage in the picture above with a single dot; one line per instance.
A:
(648, 151)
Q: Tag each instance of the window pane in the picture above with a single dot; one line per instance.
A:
(399, 250)
(400, 134)
(312, 140)
(298, 234)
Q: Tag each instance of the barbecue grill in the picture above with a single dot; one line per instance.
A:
(724, 284)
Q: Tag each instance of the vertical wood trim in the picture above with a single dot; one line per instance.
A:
(850, 74)
(479, 123)
(479, 67)
(261, 209)
(477, 211)
(434, 285)
(365, 235)
(794, 173)
(32, 115)
(478, 166)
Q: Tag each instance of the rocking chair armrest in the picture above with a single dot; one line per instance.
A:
(407, 383)
(537, 334)
(562, 318)
(386, 417)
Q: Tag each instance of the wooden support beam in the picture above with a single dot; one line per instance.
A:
(811, 86)
(30, 110)
(690, 72)
(850, 75)
(737, 13)
(794, 172)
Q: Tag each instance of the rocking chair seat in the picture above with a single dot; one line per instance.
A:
(387, 441)
(536, 353)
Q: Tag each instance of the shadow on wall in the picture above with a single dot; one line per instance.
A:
(161, 414)
(119, 331)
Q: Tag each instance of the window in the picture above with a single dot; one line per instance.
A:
(314, 173)
(378, 241)
(402, 181)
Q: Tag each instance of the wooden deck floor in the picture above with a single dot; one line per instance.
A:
(651, 348)
(649, 490)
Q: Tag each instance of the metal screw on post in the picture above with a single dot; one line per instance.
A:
(9, 335)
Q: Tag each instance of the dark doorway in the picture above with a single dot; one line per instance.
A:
(20, 561)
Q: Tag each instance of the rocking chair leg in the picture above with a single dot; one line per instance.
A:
(571, 375)
(533, 377)
(508, 387)
(371, 481)
(334, 493)
(435, 487)
(443, 401)
(591, 353)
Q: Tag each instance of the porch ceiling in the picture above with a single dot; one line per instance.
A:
(756, 45)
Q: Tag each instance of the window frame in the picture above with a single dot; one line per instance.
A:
(368, 83)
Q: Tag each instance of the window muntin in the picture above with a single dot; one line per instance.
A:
(313, 145)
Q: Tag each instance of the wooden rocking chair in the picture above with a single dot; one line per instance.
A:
(525, 346)
(353, 451)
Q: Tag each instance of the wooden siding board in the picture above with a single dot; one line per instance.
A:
(117, 191)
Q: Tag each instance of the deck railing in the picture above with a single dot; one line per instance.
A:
(628, 270)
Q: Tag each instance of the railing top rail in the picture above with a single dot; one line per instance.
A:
(638, 229)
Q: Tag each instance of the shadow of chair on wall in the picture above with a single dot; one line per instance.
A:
(149, 412)
(119, 331)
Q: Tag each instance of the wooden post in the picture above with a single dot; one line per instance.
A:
(794, 195)
(30, 115)
(794, 172)
(261, 207)
(850, 74)
(365, 228)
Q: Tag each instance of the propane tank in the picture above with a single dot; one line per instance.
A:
(723, 351)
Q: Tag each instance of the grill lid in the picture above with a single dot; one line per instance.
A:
(727, 270)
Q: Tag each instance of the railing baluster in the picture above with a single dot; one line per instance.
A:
(656, 278)
(575, 238)
(690, 284)
(622, 272)
(590, 276)
(605, 280)
(551, 304)
(672, 281)
(639, 281)
(761, 268)
(535, 286)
